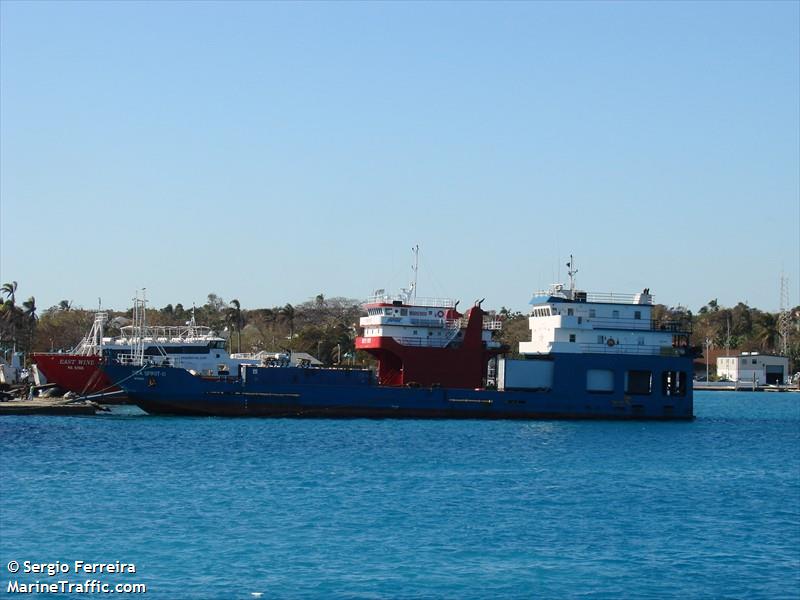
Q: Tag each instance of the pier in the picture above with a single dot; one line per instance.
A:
(49, 406)
(742, 386)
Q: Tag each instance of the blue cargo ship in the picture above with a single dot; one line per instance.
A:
(590, 356)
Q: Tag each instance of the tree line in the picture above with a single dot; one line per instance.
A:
(326, 327)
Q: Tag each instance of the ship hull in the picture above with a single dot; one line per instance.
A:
(330, 393)
(75, 373)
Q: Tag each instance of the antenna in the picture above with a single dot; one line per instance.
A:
(572, 271)
(415, 268)
(784, 320)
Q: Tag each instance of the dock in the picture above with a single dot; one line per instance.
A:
(48, 406)
(742, 386)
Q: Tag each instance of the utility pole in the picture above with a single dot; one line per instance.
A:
(708, 348)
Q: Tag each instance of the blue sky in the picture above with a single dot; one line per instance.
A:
(272, 151)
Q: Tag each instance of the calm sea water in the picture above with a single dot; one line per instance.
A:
(221, 508)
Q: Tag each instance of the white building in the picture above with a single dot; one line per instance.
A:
(763, 369)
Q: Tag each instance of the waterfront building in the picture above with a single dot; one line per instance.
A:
(763, 369)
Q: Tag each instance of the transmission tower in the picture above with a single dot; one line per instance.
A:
(784, 320)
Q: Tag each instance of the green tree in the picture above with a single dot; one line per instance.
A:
(233, 319)
(766, 331)
(9, 290)
(288, 315)
(30, 317)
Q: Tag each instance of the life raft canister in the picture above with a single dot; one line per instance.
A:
(610, 342)
(440, 314)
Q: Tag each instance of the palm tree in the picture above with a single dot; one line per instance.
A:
(767, 331)
(9, 290)
(233, 316)
(10, 316)
(29, 314)
(65, 305)
(287, 313)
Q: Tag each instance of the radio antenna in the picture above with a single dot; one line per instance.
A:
(571, 272)
(415, 268)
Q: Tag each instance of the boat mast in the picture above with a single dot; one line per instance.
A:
(571, 272)
(139, 326)
(415, 268)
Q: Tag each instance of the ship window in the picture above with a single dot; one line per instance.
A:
(638, 382)
(754, 361)
(601, 339)
(415, 332)
(571, 337)
(640, 341)
(673, 383)
(580, 320)
(403, 312)
(592, 313)
(637, 314)
(570, 312)
(615, 314)
(387, 311)
(599, 380)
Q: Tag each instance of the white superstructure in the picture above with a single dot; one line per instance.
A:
(566, 320)
(426, 322)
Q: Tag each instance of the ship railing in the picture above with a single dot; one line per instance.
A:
(492, 324)
(180, 332)
(599, 297)
(139, 360)
(627, 323)
(649, 350)
(426, 302)
(419, 322)
(452, 328)
(421, 342)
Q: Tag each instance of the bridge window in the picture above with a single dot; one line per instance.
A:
(638, 382)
